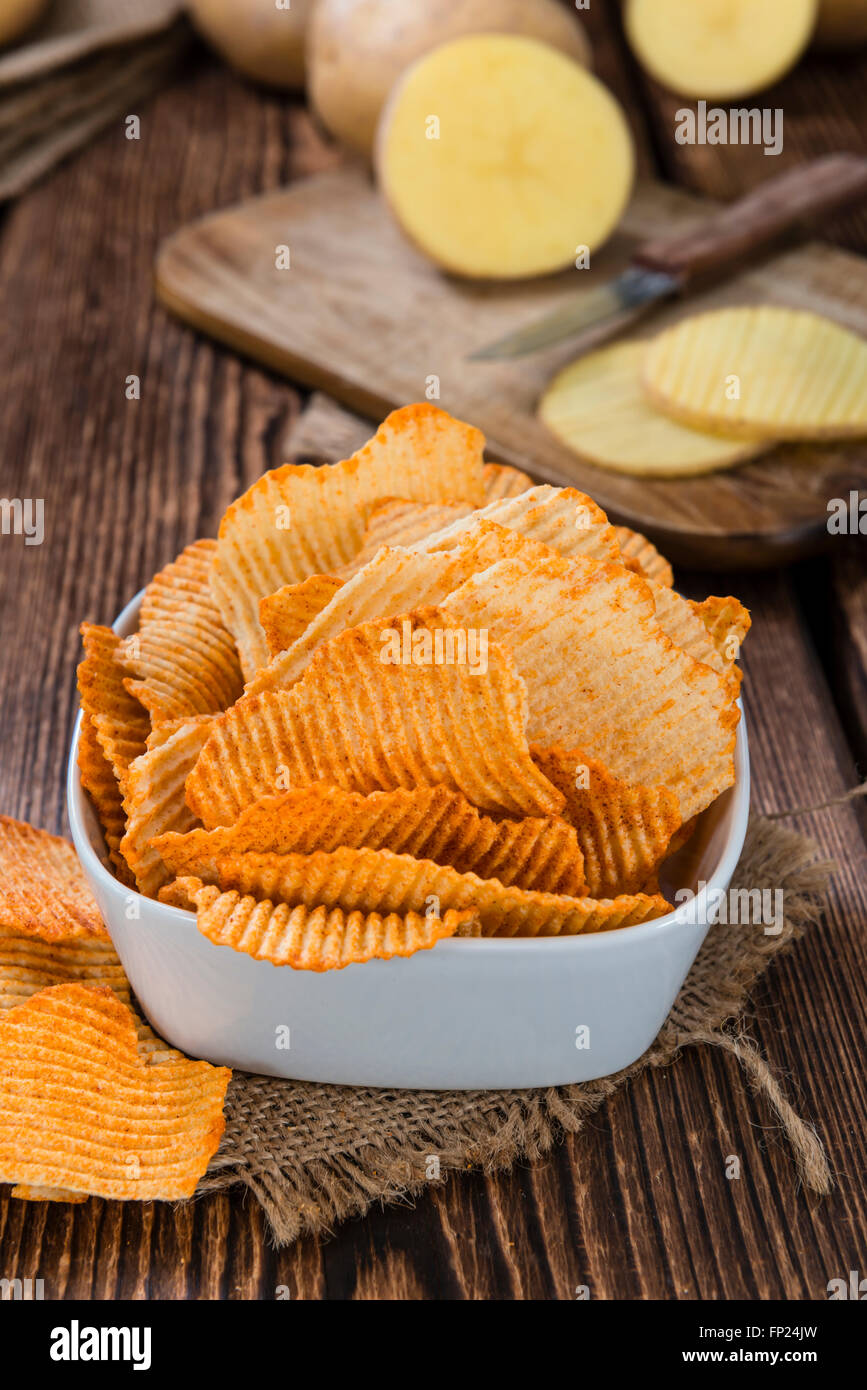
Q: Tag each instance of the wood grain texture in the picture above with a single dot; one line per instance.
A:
(359, 313)
(638, 1206)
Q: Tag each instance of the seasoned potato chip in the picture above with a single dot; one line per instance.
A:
(639, 555)
(761, 370)
(30, 963)
(81, 1111)
(155, 801)
(727, 622)
(598, 409)
(317, 938)
(562, 518)
(43, 891)
(502, 481)
(120, 721)
(101, 785)
(602, 676)
(679, 620)
(624, 832)
(397, 521)
(300, 520)
(416, 702)
(286, 615)
(427, 823)
(368, 880)
(184, 655)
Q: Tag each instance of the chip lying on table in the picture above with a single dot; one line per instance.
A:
(405, 697)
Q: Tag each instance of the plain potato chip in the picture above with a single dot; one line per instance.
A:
(155, 796)
(727, 623)
(427, 823)
(316, 938)
(399, 521)
(602, 676)
(640, 555)
(120, 721)
(368, 880)
(562, 518)
(761, 370)
(183, 655)
(500, 481)
(624, 832)
(101, 785)
(43, 891)
(598, 409)
(286, 615)
(409, 704)
(301, 520)
(81, 1111)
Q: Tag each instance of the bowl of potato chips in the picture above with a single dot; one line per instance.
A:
(420, 775)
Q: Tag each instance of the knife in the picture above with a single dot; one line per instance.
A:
(674, 265)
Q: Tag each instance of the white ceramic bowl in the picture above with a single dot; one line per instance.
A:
(467, 1014)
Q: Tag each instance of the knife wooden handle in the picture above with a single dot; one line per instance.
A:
(822, 186)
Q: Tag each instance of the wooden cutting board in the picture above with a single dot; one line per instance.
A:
(363, 316)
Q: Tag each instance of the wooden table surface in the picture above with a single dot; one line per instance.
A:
(639, 1206)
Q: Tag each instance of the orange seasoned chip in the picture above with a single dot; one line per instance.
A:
(602, 675)
(155, 800)
(317, 938)
(624, 832)
(427, 823)
(368, 880)
(81, 1111)
(641, 556)
(727, 623)
(411, 702)
(301, 520)
(101, 785)
(286, 615)
(680, 620)
(183, 655)
(561, 518)
(398, 521)
(120, 721)
(30, 963)
(43, 891)
(502, 481)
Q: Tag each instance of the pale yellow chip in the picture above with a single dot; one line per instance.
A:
(624, 832)
(43, 891)
(602, 675)
(640, 555)
(101, 785)
(183, 656)
(398, 521)
(598, 408)
(727, 622)
(761, 370)
(561, 518)
(415, 703)
(502, 481)
(81, 1111)
(155, 798)
(312, 938)
(286, 615)
(427, 823)
(120, 721)
(368, 880)
(300, 520)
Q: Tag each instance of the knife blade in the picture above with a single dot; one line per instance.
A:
(674, 264)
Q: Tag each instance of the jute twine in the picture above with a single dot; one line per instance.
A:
(314, 1155)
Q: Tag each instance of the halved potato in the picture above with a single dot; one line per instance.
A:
(501, 158)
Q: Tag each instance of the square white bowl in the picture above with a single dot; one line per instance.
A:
(469, 1014)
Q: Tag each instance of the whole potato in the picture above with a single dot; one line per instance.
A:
(840, 23)
(358, 49)
(16, 17)
(263, 40)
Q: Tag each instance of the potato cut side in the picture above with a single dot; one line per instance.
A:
(500, 157)
(719, 48)
(763, 370)
(597, 407)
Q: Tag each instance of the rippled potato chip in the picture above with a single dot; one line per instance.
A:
(727, 622)
(398, 521)
(502, 481)
(640, 555)
(155, 798)
(561, 518)
(101, 785)
(120, 721)
(43, 891)
(286, 615)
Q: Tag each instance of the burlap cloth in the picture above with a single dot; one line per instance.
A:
(314, 1155)
(87, 63)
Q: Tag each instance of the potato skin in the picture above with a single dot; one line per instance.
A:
(262, 42)
(841, 23)
(16, 17)
(357, 49)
